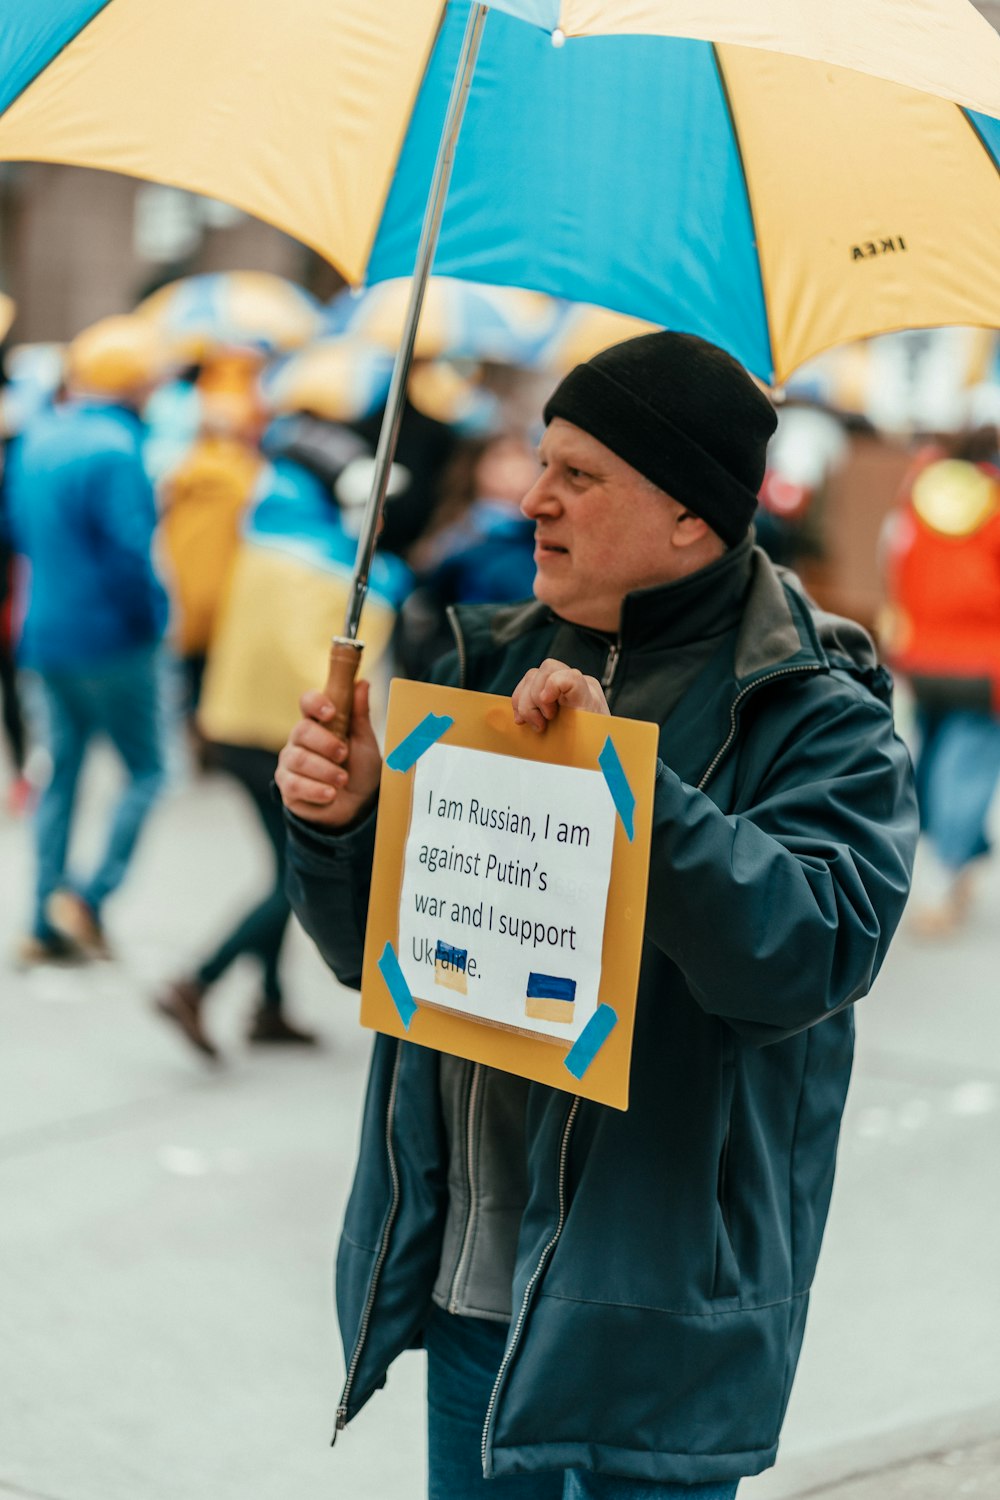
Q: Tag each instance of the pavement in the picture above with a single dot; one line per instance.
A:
(167, 1228)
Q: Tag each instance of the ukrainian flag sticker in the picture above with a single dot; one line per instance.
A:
(550, 998)
(449, 967)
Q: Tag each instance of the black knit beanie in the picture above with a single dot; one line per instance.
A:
(683, 413)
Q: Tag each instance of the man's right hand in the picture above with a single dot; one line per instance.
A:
(321, 778)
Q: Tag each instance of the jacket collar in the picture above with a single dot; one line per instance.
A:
(781, 634)
(705, 604)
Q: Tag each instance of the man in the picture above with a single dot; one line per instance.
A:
(613, 1303)
(82, 517)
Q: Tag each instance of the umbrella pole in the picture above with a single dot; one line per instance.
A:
(345, 650)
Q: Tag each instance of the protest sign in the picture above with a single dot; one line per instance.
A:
(508, 891)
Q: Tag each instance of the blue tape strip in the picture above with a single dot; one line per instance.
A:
(397, 985)
(411, 748)
(621, 793)
(591, 1039)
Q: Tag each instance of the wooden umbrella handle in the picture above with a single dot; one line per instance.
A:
(345, 658)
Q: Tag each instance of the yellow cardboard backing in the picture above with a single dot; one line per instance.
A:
(486, 722)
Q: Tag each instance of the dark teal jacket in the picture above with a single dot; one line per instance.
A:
(666, 1253)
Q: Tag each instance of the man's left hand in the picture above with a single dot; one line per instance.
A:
(541, 693)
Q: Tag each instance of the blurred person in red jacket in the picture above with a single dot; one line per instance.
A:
(943, 633)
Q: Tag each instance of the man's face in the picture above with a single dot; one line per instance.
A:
(601, 530)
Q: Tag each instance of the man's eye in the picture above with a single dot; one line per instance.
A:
(575, 473)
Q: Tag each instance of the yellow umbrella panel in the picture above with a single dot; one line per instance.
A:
(847, 247)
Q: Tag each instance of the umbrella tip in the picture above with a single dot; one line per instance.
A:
(558, 37)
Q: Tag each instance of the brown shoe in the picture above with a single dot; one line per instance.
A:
(181, 1003)
(75, 921)
(33, 951)
(932, 923)
(270, 1026)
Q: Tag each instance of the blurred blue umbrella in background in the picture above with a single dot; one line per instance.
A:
(458, 320)
(234, 309)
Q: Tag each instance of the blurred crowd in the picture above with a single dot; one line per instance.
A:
(179, 515)
(181, 496)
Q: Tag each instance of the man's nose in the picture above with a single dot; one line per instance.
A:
(540, 499)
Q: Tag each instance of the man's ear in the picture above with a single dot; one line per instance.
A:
(690, 529)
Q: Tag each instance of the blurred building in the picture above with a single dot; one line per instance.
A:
(77, 245)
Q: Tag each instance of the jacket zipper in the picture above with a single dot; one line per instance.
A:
(470, 1165)
(611, 665)
(542, 1259)
(382, 1252)
(456, 631)
(751, 687)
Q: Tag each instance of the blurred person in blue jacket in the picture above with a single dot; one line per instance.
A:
(82, 515)
(288, 588)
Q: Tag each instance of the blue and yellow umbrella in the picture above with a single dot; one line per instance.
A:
(346, 380)
(581, 331)
(337, 379)
(458, 320)
(234, 309)
(777, 177)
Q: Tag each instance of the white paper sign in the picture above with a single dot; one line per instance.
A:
(505, 888)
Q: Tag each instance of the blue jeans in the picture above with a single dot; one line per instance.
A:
(957, 769)
(121, 701)
(463, 1357)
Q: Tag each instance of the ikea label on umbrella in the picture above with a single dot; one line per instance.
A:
(505, 887)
